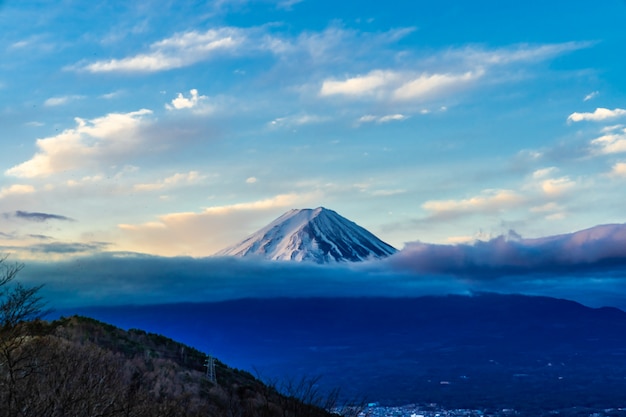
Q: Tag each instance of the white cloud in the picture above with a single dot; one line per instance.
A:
(456, 240)
(619, 169)
(556, 216)
(368, 118)
(35, 43)
(297, 120)
(392, 118)
(89, 179)
(279, 201)
(544, 172)
(382, 119)
(613, 128)
(557, 186)
(488, 201)
(112, 95)
(610, 143)
(59, 101)
(251, 180)
(598, 115)
(91, 142)
(34, 124)
(288, 4)
(191, 177)
(544, 184)
(387, 193)
(360, 85)
(453, 71)
(16, 189)
(550, 207)
(398, 86)
(178, 51)
(591, 95)
(427, 85)
(194, 101)
(518, 53)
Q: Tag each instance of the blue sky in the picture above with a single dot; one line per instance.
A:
(178, 128)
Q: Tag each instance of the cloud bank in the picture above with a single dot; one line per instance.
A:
(588, 266)
(589, 250)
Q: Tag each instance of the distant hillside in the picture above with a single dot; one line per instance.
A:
(484, 351)
(81, 367)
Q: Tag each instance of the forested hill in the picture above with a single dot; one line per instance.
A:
(81, 367)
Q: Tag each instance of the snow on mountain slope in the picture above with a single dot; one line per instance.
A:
(319, 235)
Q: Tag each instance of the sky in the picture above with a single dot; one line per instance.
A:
(178, 128)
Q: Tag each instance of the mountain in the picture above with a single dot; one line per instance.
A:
(78, 366)
(495, 351)
(319, 235)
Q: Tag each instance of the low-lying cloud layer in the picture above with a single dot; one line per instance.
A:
(587, 266)
(586, 251)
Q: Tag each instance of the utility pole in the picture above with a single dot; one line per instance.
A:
(210, 369)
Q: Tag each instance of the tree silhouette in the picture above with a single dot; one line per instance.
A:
(19, 306)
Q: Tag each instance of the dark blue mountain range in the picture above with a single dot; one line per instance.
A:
(459, 351)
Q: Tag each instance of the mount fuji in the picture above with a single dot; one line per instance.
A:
(319, 235)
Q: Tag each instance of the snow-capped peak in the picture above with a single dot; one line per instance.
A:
(319, 235)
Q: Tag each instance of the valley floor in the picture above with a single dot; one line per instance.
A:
(433, 410)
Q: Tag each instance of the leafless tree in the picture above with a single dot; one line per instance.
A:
(19, 305)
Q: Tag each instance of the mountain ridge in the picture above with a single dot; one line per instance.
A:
(531, 353)
(79, 366)
(319, 235)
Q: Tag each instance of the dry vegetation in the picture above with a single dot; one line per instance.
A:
(80, 367)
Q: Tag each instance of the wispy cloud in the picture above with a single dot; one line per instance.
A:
(279, 201)
(39, 217)
(62, 100)
(398, 86)
(591, 95)
(487, 201)
(297, 120)
(600, 114)
(288, 4)
(112, 95)
(38, 43)
(369, 118)
(426, 85)
(516, 53)
(188, 48)
(459, 69)
(180, 50)
(178, 179)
